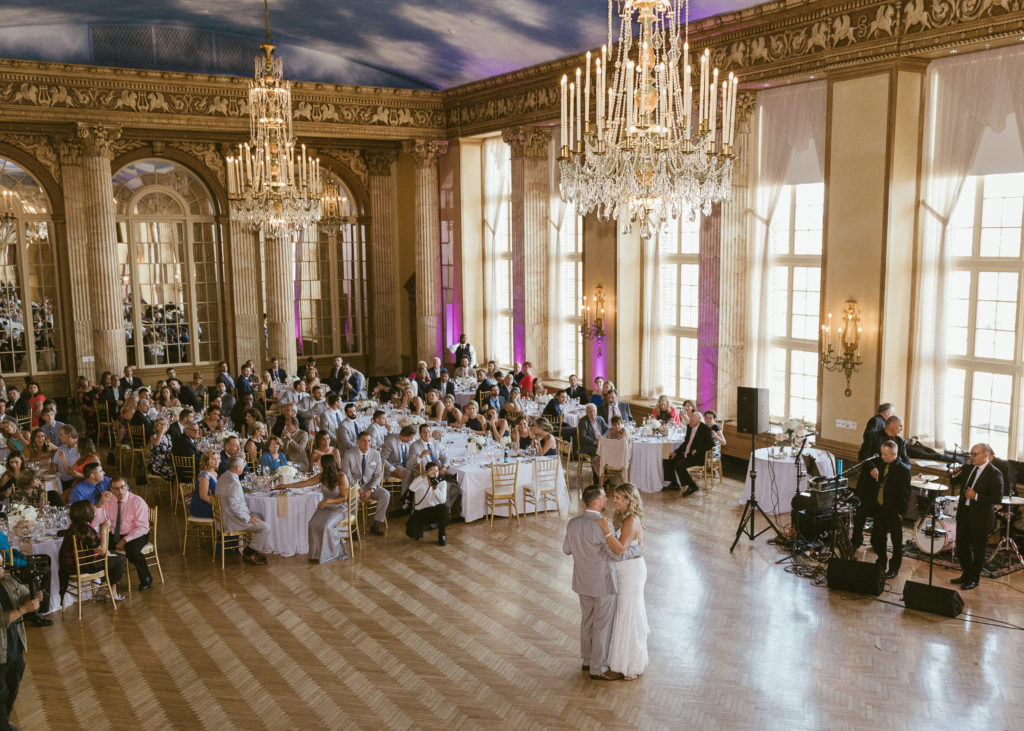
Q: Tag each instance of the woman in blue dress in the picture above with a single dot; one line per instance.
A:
(206, 484)
(273, 457)
(547, 446)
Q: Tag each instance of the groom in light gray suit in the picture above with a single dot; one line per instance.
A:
(593, 578)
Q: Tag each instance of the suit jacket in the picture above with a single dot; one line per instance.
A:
(896, 496)
(419, 453)
(279, 374)
(232, 502)
(578, 393)
(334, 378)
(174, 431)
(227, 404)
(125, 385)
(352, 466)
(378, 434)
(875, 424)
(447, 388)
(593, 573)
(294, 449)
(623, 409)
(358, 383)
(980, 515)
(348, 433)
(185, 447)
(189, 396)
(589, 435)
(243, 386)
(391, 453)
(874, 443)
(553, 408)
(498, 403)
(227, 380)
(140, 419)
(702, 442)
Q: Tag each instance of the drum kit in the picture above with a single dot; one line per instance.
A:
(935, 530)
(1006, 544)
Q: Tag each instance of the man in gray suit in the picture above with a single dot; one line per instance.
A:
(348, 430)
(593, 578)
(293, 444)
(395, 451)
(364, 467)
(236, 515)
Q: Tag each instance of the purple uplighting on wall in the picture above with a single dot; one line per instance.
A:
(599, 358)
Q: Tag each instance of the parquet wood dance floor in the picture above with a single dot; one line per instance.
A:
(483, 633)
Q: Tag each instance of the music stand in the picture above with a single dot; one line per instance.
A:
(751, 508)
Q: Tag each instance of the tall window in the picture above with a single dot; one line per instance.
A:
(31, 333)
(330, 276)
(497, 177)
(570, 289)
(795, 241)
(985, 369)
(169, 252)
(679, 278)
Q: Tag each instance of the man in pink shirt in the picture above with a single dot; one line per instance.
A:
(129, 525)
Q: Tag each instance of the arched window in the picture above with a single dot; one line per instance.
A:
(330, 282)
(31, 332)
(169, 252)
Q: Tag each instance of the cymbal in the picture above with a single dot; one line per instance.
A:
(928, 487)
(927, 478)
(1013, 500)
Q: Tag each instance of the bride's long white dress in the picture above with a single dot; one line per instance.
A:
(627, 653)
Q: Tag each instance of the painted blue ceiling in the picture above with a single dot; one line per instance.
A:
(433, 44)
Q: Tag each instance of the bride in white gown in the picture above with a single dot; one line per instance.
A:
(627, 653)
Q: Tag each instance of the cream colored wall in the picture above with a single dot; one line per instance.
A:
(405, 207)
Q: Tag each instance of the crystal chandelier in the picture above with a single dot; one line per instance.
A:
(272, 185)
(647, 157)
(332, 208)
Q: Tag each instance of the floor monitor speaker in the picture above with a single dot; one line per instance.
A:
(860, 577)
(934, 599)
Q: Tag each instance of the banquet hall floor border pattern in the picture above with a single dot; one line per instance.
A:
(484, 634)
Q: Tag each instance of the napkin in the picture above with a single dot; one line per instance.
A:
(282, 505)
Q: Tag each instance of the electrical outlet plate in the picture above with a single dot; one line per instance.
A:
(845, 424)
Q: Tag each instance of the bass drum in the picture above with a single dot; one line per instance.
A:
(943, 541)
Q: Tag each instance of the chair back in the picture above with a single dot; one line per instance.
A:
(253, 460)
(614, 452)
(565, 454)
(218, 517)
(137, 435)
(184, 469)
(546, 474)
(185, 492)
(556, 426)
(503, 478)
(87, 556)
(25, 422)
(152, 524)
(8, 557)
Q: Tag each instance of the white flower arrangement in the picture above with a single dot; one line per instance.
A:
(543, 399)
(19, 512)
(411, 421)
(223, 434)
(366, 407)
(466, 383)
(174, 412)
(286, 474)
(505, 442)
(475, 444)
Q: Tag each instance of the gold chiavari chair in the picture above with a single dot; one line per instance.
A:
(185, 492)
(224, 538)
(88, 568)
(581, 459)
(544, 487)
(136, 447)
(184, 472)
(149, 551)
(350, 526)
(504, 478)
(712, 468)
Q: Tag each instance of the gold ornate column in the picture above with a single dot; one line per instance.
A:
(383, 271)
(732, 273)
(104, 285)
(530, 242)
(243, 248)
(281, 302)
(425, 155)
(80, 320)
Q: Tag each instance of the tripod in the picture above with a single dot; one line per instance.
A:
(751, 508)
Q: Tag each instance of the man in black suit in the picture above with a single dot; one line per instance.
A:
(277, 372)
(186, 447)
(690, 453)
(335, 377)
(177, 429)
(875, 424)
(554, 406)
(445, 384)
(128, 383)
(888, 505)
(576, 391)
(612, 406)
(981, 490)
(866, 487)
(224, 376)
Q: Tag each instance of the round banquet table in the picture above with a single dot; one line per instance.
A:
(463, 397)
(475, 481)
(289, 534)
(645, 468)
(49, 547)
(776, 477)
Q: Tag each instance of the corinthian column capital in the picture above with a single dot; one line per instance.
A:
(532, 143)
(95, 138)
(425, 153)
(379, 162)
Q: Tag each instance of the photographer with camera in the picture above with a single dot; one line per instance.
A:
(16, 602)
(429, 504)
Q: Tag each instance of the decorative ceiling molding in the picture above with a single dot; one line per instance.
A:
(353, 160)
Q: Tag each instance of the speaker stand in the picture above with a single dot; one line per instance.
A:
(751, 508)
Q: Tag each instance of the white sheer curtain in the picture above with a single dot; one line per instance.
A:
(497, 167)
(650, 339)
(964, 97)
(788, 120)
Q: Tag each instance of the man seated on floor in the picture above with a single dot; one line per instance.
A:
(93, 484)
(429, 494)
(129, 525)
(235, 513)
(429, 448)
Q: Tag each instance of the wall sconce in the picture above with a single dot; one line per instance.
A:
(594, 330)
(845, 357)
(332, 206)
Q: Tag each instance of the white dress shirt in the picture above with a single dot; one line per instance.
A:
(427, 496)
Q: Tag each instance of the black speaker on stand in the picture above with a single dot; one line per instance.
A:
(752, 419)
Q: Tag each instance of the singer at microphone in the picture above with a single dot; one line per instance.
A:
(867, 481)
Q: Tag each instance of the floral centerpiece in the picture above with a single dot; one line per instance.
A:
(22, 519)
(465, 383)
(794, 431)
(505, 442)
(366, 407)
(543, 398)
(475, 443)
(223, 434)
(286, 474)
(173, 413)
(411, 421)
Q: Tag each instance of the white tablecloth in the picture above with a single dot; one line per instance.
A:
(463, 397)
(476, 480)
(289, 535)
(776, 478)
(645, 468)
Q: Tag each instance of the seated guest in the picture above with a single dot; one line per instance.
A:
(433, 406)
(67, 455)
(471, 419)
(506, 385)
(496, 426)
(451, 414)
(13, 436)
(408, 400)
(429, 499)
(212, 422)
(288, 411)
(325, 539)
(232, 448)
(321, 447)
(257, 443)
(240, 414)
(49, 425)
(423, 378)
(227, 400)
(711, 419)
(464, 368)
(555, 405)
(250, 418)
(395, 452)
(82, 513)
(311, 379)
(273, 457)
(688, 408)
(303, 369)
(522, 434)
(528, 383)
(493, 399)
(382, 391)
(348, 430)
(128, 516)
(315, 406)
(445, 384)
(39, 447)
(297, 396)
(363, 467)
(175, 430)
(613, 406)
(353, 382)
(333, 415)
(591, 428)
(94, 484)
(517, 372)
(186, 445)
(665, 412)
(143, 416)
(617, 429)
(206, 486)
(224, 375)
(378, 429)
(14, 465)
(266, 385)
(87, 454)
(435, 369)
(167, 399)
(235, 513)
(293, 442)
(192, 394)
(690, 453)
(128, 383)
(277, 372)
(575, 390)
(513, 409)
(243, 386)
(160, 445)
(32, 570)
(547, 446)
